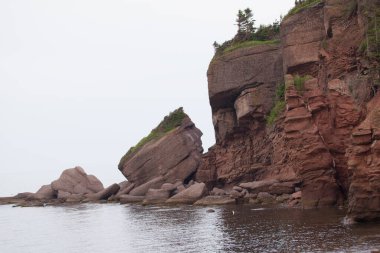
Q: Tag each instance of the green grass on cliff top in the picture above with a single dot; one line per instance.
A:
(306, 4)
(250, 43)
(170, 122)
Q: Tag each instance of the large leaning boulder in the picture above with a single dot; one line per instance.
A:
(171, 153)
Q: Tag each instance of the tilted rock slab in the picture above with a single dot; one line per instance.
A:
(175, 156)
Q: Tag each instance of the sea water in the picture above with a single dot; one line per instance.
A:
(135, 228)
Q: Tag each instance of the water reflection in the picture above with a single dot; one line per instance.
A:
(134, 228)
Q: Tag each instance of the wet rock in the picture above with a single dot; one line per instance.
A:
(141, 190)
(106, 193)
(282, 188)
(282, 198)
(126, 199)
(259, 186)
(215, 200)
(217, 192)
(265, 198)
(155, 196)
(125, 189)
(75, 198)
(235, 194)
(190, 195)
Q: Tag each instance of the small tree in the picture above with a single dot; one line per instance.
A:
(216, 46)
(245, 23)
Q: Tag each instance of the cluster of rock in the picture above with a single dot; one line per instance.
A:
(73, 186)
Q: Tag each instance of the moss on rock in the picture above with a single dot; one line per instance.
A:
(169, 123)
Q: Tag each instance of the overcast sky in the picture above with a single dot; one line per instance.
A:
(83, 80)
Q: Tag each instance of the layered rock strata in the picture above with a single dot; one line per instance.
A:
(310, 144)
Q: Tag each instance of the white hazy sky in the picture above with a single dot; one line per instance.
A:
(83, 80)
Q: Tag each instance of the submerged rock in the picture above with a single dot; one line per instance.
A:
(215, 200)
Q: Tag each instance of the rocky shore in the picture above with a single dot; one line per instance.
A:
(296, 124)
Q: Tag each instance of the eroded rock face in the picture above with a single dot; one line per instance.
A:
(364, 165)
(242, 88)
(310, 142)
(232, 73)
(254, 103)
(173, 157)
(301, 37)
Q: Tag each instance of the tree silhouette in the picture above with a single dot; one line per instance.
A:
(246, 25)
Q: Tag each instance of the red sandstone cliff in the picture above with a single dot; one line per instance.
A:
(325, 141)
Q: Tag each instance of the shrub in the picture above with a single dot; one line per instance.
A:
(170, 122)
(279, 105)
(299, 82)
(277, 109)
(247, 35)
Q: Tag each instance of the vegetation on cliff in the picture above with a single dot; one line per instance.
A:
(279, 105)
(170, 122)
(370, 46)
(248, 35)
(299, 82)
(302, 5)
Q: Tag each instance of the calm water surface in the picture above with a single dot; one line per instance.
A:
(133, 228)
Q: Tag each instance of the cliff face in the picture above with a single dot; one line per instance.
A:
(326, 138)
(241, 87)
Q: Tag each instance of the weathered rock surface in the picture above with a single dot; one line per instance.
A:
(106, 193)
(190, 195)
(215, 200)
(73, 186)
(323, 143)
(127, 199)
(175, 156)
(364, 162)
(301, 37)
(154, 196)
(76, 181)
(45, 192)
(232, 73)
